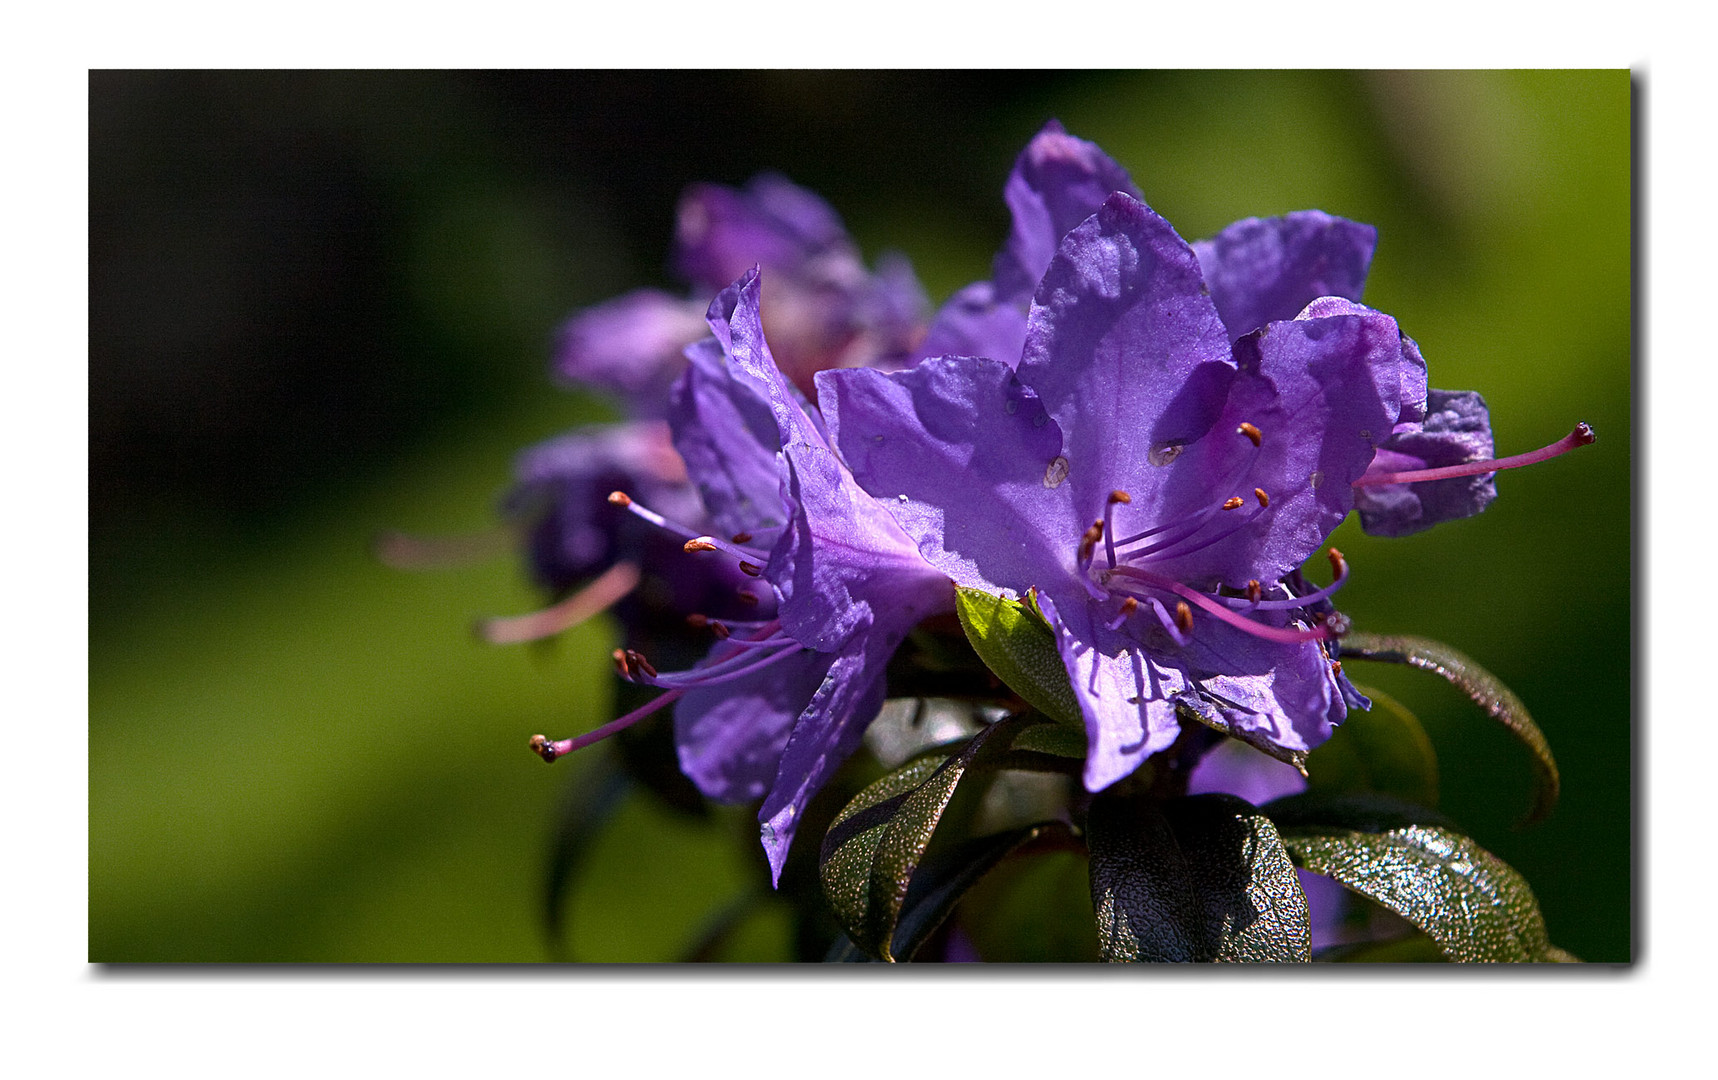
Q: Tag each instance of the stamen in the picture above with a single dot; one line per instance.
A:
(1255, 591)
(697, 621)
(1089, 542)
(1184, 617)
(1264, 500)
(638, 663)
(1338, 566)
(619, 498)
(720, 630)
(750, 569)
(1128, 607)
(1581, 436)
(1233, 502)
(742, 538)
(711, 543)
(601, 594)
(747, 598)
(549, 751)
(1170, 625)
(1251, 432)
(1212, 605)
(1115, 498)
(621, 665)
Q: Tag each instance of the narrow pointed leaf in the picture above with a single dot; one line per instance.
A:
(1478, 684)
(1383, 749)
(1015, 642)
(1204, 878)
(873, 848)
(1474, 905)
(875, 845)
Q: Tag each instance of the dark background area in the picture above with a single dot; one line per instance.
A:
(321, 305)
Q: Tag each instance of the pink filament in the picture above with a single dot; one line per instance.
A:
(601, 594)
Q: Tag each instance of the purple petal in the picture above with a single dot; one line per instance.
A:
(1126, 698)
(722, 231)
(1264, 270)
(1058, 181)
(727, 437)
(972, 323)
(1457, 428)
(731, 736)
(1125, 350)
(825, 735)
(630, 345)
(1234, 768)
(1322, 392)
(958, 449)
(1271, 694)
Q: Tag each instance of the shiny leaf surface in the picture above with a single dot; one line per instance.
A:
(874, 847)
(1204, 878)
(1466, 899)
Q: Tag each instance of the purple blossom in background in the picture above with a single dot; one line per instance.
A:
(1151, 482)
(825, 308)
(779, 703)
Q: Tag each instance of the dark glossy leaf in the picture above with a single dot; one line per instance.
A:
(1383, 749)
(873, 848)
(1017, 644)
(1466, 899)
(1193, 879)
(944, 878)
(1354, 811)
(1480, 685)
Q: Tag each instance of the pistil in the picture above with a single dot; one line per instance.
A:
(1581, 436)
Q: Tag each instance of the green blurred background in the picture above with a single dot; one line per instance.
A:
(321, 306)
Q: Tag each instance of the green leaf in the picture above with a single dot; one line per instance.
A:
(1194, 879)
(1384, 750)
(1466, 899)
(875, 845)
(1013, 639)
(1481, 686)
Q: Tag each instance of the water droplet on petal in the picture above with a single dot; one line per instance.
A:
(1056, 472)
(1163, 453)
(1315, 479)
(1012, 407)
(902, 497)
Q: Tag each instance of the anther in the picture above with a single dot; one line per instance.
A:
(1264, 500)
(751, 570)
(1184, 616)
(544, 749)
(1255, 591)
(743, 538)
(1129, 606)
(621, 666)
(697, 621)
(746, 598)
(700, 543)
(1336, 667)
(1120, 497)
(638, 663)
(1338, 565)
(1233, 502)
(720, 630)
(1089, 541)
(1251, 432)
(619, 498)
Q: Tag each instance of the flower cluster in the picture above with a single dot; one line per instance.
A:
(1147, 437)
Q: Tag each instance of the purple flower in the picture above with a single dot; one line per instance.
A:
(780, 702)
(1152, 481)
(826, 309)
